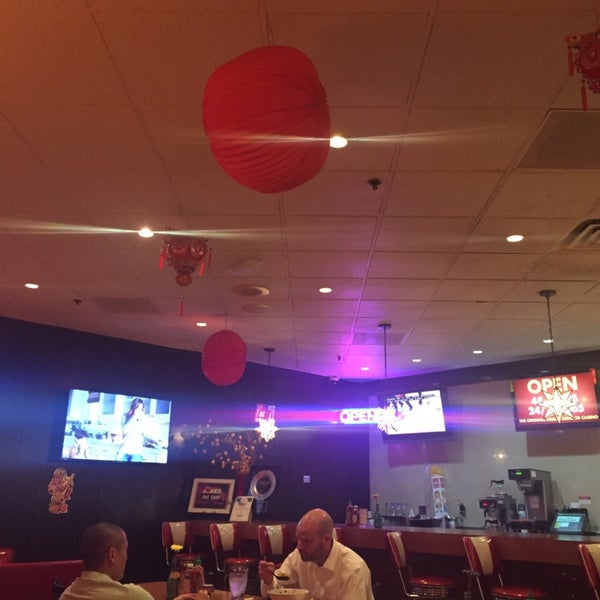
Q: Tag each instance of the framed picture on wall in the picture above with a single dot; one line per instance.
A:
(211, 495)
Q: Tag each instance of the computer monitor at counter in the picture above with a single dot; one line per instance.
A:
(570, 522)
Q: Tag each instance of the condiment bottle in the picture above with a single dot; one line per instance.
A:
(197, 576)
(355, 516)
(349, 512)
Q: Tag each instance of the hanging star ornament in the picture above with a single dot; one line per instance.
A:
(559, 404)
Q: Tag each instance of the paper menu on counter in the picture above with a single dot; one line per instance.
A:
(242, 509)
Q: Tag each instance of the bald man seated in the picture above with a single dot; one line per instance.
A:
(327, 569)
(104, 553)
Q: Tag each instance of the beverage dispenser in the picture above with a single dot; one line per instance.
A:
(536, 486)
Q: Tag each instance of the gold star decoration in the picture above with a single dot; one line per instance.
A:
(558, 404)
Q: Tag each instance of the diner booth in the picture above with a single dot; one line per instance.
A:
(315, 458)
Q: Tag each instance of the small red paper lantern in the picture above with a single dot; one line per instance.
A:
(584, 56)
(224, 357)
(266, 116)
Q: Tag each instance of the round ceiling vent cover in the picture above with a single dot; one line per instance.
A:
(250, 290)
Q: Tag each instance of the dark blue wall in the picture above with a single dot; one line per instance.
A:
(38, 366)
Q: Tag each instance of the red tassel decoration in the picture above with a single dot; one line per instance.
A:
(181, 306)
(584, 103)
(209, 260)
(161, 260)
(201, 269)
(571, 63)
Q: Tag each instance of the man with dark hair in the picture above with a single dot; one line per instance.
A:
(327, 569)
(104, 554)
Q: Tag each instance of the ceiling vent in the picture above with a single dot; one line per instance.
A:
(256, 309)
(139, 306)
(250, 290)
(586, 236)
(567, 139)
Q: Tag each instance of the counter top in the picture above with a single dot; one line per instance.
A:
(523, 547)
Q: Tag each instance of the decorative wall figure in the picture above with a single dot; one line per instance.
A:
(60, 489)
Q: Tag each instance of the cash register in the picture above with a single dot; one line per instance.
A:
(570, 521)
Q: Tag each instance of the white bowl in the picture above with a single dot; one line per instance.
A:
(288, 594)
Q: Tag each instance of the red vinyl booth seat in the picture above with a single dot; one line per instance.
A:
(34, 579)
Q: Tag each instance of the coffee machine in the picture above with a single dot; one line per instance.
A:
(536, 486)
(500, 508)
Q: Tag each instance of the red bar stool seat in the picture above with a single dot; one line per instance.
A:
(590, 559)
(226, 543)
(7, 555)
(417, 586)
(486, 566)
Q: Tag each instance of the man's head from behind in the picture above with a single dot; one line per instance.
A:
(104, 549)
(314, 534)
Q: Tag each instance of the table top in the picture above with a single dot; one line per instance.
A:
(158, 589)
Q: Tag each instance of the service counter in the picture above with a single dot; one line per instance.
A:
(537, 557)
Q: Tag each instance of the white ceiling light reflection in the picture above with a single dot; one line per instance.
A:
(337, 141)
(146, 232)
(514, 238)
(325, 290)
(32, 286)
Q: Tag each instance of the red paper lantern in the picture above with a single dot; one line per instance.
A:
(265, 114)
(224, 357)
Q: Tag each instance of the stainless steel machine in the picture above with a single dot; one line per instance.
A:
(500, 508)
(536, 486)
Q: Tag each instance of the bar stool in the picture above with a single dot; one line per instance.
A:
(274, 542)
(486, 566)
(590, 558)
(226, 543)
(176, 532)
(7, 555)
(417, 586)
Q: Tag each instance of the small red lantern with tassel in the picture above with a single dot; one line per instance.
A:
(584, 57)
(184, 255)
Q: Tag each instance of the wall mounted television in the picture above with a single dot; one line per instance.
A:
(414, 415)
(104, 426)
(553, 402)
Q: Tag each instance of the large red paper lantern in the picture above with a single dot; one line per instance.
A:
(265, 114)
(224, 357)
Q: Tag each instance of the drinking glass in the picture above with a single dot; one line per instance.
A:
(238, 580)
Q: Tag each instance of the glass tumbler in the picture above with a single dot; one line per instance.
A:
(238, 580)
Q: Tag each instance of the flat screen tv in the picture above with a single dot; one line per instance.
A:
(407, 415)
(103, 426)
(556, 402)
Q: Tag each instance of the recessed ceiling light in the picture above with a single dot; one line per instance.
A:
(325, 290)
(364, 368)
(515, 237)
(477, 351)
(548, 341)
(201, 324)
(32, 286)
(146, 232)
(337, 141)
(417, 360)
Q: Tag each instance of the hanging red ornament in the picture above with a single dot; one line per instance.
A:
(584, 57)
(184, 255)
(224, 357)
(265, 114)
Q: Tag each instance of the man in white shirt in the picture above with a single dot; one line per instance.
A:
(327, 569)
(104, 553)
